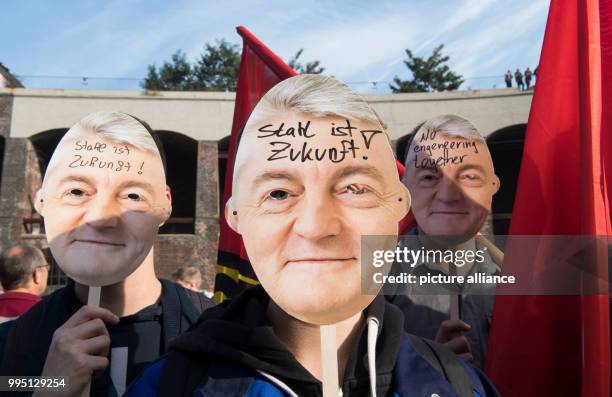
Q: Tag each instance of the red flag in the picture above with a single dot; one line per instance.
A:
(260, 70)
(560, 345)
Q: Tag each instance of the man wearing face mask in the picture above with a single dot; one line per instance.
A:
(314, 173)
(449, 172)
(103, 198)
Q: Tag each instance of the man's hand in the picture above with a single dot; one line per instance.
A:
(450, 334)
(79, 348)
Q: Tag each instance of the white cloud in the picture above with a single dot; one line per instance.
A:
(475, 55)
(462, 13)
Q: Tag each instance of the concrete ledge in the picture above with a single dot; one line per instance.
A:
(208, 115)
(230, 96)
(154, 95)
(448, 95)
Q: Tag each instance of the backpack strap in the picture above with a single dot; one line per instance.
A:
(446, 363)
(171, 312)
(200, 302)
(197, 303)
(181, 309)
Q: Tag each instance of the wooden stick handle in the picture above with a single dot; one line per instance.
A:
(455, 310)
(93, 299)
(329, 361)
(496, 254)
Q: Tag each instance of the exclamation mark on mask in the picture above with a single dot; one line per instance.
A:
(140, 171)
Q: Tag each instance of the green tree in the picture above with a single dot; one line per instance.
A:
(313, 67)
(217, 68)
(429, 74)
(176, 75)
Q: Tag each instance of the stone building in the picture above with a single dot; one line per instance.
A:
(7, 80)
(194, 128)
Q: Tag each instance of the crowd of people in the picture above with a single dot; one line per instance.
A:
(301, 222)
(518, 78)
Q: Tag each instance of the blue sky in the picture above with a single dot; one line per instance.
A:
(357, 42)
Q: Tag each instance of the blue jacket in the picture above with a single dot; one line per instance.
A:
(234, 352)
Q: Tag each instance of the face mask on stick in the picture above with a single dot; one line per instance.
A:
(308, 184)
(103, 199)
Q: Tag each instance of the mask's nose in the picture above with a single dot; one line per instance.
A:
(103, 212)
(318, 218)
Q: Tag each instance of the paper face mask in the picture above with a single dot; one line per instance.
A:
(306, 188)
(103, 200)
(452, 182)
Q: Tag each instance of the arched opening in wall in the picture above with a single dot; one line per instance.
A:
(223, 150)
(44, 144)
(506, 147)
(181, 165)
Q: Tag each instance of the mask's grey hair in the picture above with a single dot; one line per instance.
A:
(316, 95)
(449, 125)
(116, 127)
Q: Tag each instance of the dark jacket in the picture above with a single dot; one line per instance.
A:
(426, 306)
(233, 351)
(24, 342)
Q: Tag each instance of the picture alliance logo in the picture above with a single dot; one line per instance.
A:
(414, 257)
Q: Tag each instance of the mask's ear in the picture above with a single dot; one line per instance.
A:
(496, 184)
(230, 214)
(404, 201)
(168, 208)
(38, 202)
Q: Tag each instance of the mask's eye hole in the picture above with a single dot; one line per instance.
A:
(133, 196)
(279, 194)
(356, 189)
(77, 192)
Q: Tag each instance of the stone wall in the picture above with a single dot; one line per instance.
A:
(175, 250)
(6, 111)
(20, 181)
(207, 118)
